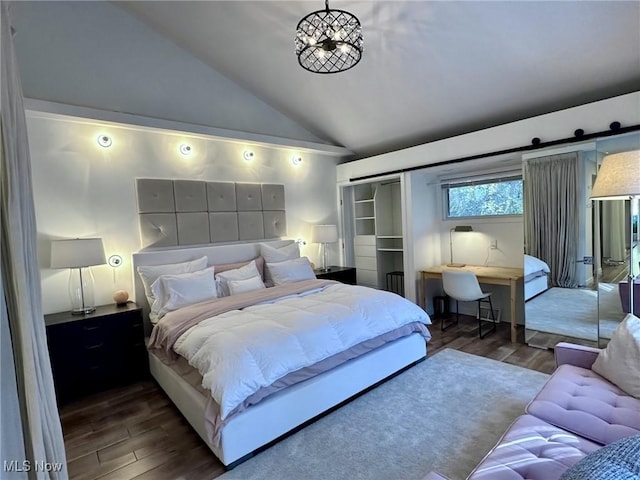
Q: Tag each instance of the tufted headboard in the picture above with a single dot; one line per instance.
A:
(192, 212)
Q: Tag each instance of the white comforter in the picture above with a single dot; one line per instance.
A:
(533, 264)
(241, 351)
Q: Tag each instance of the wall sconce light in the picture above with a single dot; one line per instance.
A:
(301, 242)
(104, 141)
(114, 261)
(296, 160)
(248, 155)
(185, 149)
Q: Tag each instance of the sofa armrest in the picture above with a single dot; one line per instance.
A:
(577, 355)
(434, 476)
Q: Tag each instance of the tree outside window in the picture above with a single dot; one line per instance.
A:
(491, 198)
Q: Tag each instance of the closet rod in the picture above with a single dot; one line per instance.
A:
(580, 138)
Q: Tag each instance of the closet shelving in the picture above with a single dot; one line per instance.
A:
(364, 205)
(378, 239)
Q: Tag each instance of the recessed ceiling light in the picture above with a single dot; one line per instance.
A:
(185, 149)
(104, 141)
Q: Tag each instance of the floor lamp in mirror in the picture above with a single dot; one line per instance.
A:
(619, 179)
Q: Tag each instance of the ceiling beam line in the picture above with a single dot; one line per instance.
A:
(525, 148)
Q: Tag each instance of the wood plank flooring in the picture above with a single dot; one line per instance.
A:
(135, 432)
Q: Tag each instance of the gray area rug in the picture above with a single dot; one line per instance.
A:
(443, 414)
(573, 312)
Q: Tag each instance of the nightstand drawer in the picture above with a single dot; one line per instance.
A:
(339, 274)
(96, 351)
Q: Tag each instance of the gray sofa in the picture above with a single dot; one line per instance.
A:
(576, 413)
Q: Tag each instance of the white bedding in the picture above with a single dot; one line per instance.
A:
(536, 276)
(241, 351)
(534, 265)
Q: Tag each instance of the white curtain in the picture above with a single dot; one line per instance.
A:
(32, 389)
(551, 208)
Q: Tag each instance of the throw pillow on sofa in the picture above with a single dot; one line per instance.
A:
(619, 460)
(620, 361)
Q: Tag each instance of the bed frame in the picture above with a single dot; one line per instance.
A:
(290, 409)
(536, 286)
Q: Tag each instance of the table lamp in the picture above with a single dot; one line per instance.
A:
(80, 254)
(619, 179)
(458, 228)
(324, 234)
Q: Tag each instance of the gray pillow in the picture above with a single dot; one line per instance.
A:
(619, 460)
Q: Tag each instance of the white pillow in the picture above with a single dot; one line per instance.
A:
(620, 361)
(176, 291)
(289, 271)
(150, 273)
(276, 255)
(247, 285)
(250, 270)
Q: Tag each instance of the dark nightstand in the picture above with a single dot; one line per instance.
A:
(96, 351)
(341, 274)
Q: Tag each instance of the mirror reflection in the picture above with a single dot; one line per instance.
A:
(618, 235)
(560, 289)
(577, 251)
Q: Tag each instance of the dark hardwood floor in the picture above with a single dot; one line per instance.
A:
(136, 432)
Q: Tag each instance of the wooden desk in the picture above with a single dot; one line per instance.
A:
(492, 275)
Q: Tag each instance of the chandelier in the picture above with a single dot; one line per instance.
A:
(329, 41)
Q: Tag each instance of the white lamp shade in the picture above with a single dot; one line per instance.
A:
(324, 234)
(77, 253)
(618, 177)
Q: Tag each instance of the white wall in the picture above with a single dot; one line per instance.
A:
(95, 54)
(422, 229)
(84, 190)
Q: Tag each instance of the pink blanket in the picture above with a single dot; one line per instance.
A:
(174, 324)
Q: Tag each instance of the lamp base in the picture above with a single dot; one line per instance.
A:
(83, 311)
(456, 265)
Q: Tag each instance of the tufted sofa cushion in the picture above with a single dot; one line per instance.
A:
(534, 450)
(582, 402)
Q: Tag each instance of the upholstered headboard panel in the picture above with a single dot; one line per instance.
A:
(191, 212)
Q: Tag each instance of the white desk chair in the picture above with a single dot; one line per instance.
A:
(463, 286)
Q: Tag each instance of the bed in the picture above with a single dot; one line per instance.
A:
(252, 426)
(536, 276)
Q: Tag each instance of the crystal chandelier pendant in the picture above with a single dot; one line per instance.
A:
(329, 41)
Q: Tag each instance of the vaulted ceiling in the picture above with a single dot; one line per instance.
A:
(430, 69)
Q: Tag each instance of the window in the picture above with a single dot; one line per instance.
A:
(483, 198)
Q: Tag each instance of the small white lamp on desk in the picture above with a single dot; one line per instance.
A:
(458, 228)
(619, 179)
(324, 234)
(80, 253)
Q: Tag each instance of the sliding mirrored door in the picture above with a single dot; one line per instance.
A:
(560, 289)
(618, 231)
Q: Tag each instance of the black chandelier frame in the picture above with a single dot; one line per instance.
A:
(320, 56)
